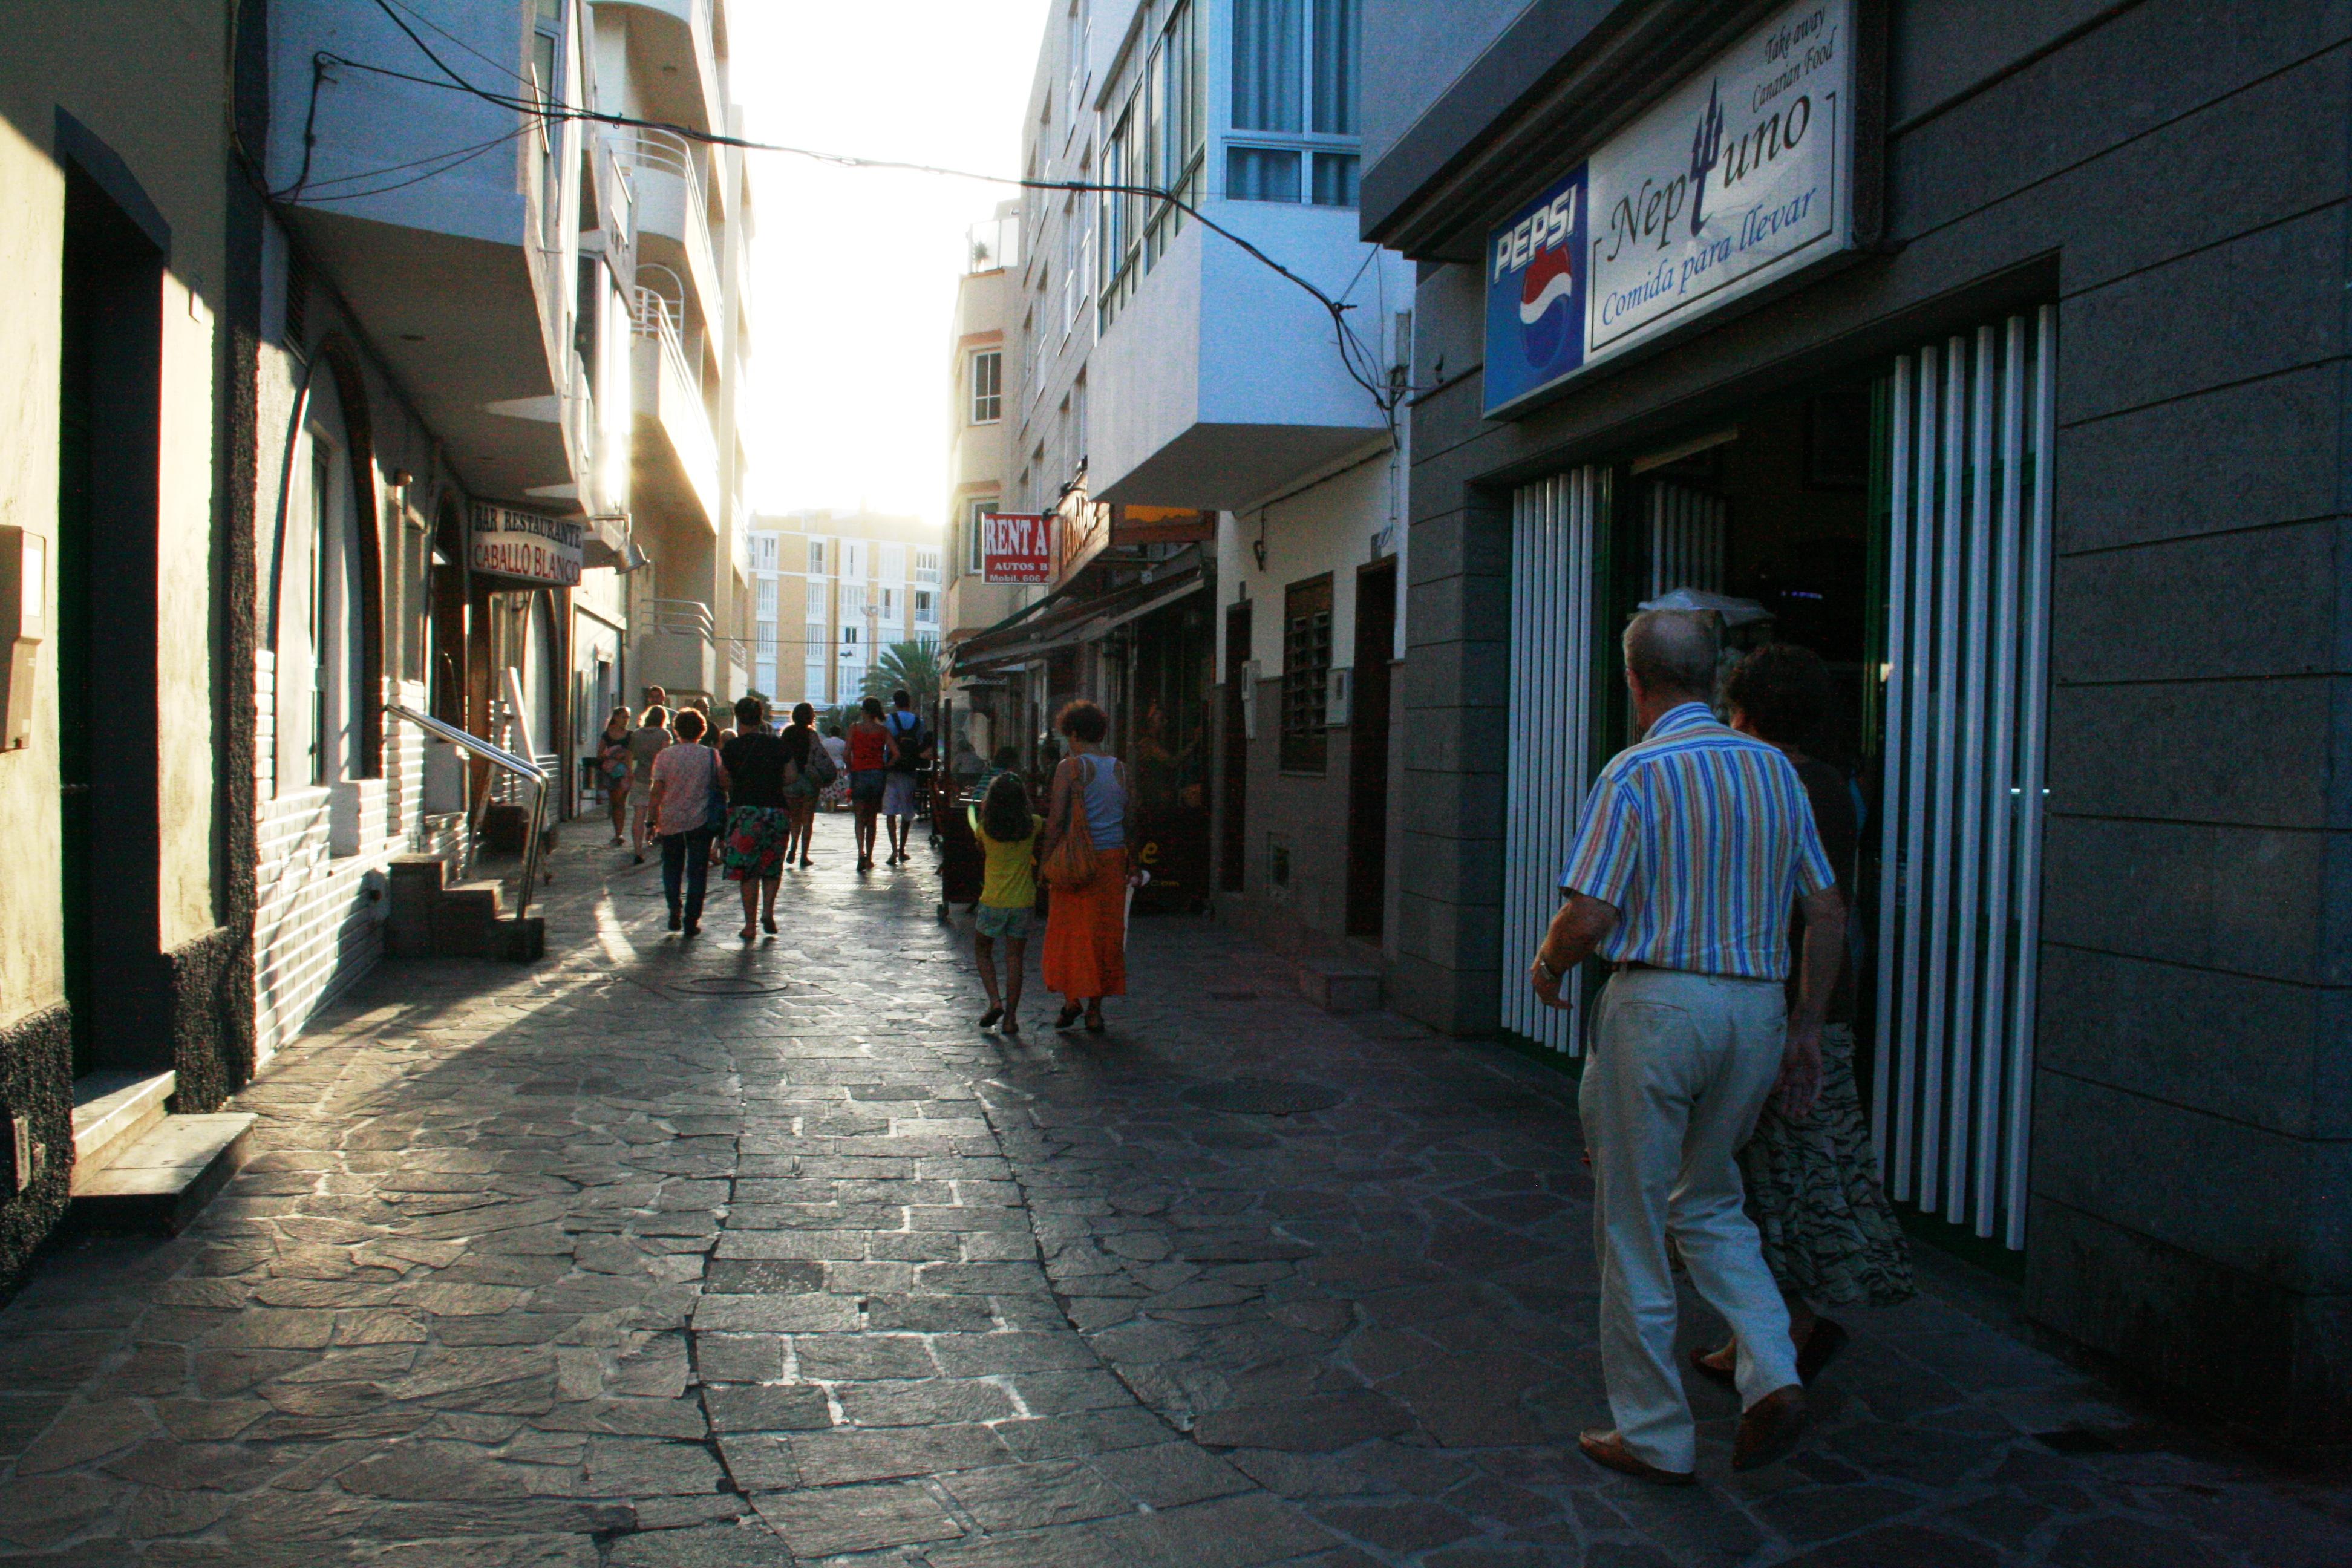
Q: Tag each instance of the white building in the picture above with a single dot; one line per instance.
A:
(1162, 370)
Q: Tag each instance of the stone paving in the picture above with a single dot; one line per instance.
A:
(667, 1254)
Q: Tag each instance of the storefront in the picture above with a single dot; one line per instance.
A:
(1902, 341)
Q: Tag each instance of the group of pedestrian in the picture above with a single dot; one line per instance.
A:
(1702, 848)
(887, 754)
(743, 798)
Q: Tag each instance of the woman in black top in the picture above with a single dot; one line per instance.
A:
(801, 744)
(758, 826)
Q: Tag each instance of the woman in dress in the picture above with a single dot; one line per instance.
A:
(1086, 926)
(613, 767)
(1830, 1236)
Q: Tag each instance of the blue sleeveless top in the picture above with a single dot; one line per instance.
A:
(1106, 801)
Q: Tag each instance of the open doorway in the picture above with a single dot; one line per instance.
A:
(110, 401)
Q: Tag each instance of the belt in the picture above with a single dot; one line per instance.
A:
(1628, 965)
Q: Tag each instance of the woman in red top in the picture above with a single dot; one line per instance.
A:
(869, 765)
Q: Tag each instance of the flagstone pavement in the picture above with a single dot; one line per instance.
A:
(661, 1254)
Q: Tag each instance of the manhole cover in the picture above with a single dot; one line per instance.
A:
(724, 986)
(1262, 1097)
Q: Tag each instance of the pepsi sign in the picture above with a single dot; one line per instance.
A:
(1536, 272)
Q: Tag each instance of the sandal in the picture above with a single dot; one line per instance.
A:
(990, 1016)
(768, 924)
(1012, 1023)
(1707, 1369)
(1069, 1017)
(1093, 1021)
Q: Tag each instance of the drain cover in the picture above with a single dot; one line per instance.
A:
(724, 986)
(1262, 1097)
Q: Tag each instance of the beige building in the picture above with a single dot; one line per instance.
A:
(833, 590)
(980, 410)
(120, 932)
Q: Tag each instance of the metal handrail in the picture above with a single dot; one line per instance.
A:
(497, 757)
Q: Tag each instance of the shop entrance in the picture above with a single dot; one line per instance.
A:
(1898, 525)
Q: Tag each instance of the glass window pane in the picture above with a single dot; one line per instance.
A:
(1338, 29)
(1260, 175)
(1267, 64)
(1335, 179)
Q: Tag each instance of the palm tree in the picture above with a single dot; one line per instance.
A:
(911, 667)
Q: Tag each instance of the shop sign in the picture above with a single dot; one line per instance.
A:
(1015, 547)
(1161, 525)
(1739, 178)
(524, 544)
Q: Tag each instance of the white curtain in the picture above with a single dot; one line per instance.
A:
(1266, 76)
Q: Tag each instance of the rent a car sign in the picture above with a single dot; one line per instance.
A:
(1016, 547)
(1739, 178)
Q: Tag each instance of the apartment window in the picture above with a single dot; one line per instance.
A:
(972, 562)
(927, 608)
(987, 386)
(1306, 673)
(853, 568)
(889, 602)
(816, 557)
(894, 563)
(547, 29)
(1075, 46)
(927, 566)
(1295, 71)
(767, 598)
(1155, 142)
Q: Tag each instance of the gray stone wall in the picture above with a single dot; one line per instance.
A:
(2173, 176)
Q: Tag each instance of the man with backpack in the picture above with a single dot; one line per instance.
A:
(900, 794)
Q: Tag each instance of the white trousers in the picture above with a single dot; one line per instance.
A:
(1680, 1065)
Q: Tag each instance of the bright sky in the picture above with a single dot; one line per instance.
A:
(854, 271)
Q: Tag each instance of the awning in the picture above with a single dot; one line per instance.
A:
(1071, 623)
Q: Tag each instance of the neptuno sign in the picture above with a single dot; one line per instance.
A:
(1015, 547)
(1740, 177)
(524, 544)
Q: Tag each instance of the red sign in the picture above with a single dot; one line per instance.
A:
(1015, 547)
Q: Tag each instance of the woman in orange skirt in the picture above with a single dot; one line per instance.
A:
(1085, 927)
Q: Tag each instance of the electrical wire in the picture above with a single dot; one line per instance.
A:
(456, 160)
(466, 152)
(1351, 347)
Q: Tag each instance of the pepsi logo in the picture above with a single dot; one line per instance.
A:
(1546, 305)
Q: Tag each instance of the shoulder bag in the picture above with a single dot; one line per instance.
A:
(1071, 864)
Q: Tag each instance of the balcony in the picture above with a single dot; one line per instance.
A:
(673, 467)
(674, 44)
(1189, 408)
(673, 209)
(677, 646)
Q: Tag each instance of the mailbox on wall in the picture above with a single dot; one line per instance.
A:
(23, 624)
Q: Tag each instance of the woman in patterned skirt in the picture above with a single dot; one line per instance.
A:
(1830, 1236)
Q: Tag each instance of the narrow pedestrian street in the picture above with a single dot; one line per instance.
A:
(683, 1254)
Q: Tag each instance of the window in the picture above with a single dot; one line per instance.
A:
(853, 568)
(1155, 142)
(894, 563)
(816, 558)
(1306, 673)
(927, 608)
(972, 562)
(889, 604)
(987, 386)
(1075, 46)
(927, 566)
(547, 28)
(1296, 65)
(767, 598)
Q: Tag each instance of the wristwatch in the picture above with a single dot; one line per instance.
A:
(1551, 976)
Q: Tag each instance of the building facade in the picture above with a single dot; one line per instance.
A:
(1884, 329)
(1214, 446)
(837, 591)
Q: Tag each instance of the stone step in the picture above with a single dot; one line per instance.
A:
(466, 920)
(111, 1111)
(159, 1182)
(1338, 986)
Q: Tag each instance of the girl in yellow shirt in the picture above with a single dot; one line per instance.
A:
(1008, 893)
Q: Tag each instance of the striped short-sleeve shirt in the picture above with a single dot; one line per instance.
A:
(1703, 839)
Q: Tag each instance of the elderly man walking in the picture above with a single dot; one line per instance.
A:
(1696, 844)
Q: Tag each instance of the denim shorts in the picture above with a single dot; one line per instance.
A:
(866, 786)
(1011, 923)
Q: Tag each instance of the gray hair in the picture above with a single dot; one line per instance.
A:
(1672, 650)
